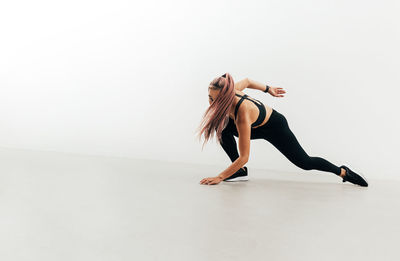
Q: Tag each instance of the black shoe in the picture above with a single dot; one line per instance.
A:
(353, 177)
(240, 175)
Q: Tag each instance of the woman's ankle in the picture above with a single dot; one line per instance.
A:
(342, 172)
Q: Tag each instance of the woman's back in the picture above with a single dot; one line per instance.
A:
(259, 113)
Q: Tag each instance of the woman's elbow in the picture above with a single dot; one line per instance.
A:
(247, 82)
(244, 159)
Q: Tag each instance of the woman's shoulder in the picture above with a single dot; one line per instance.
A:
(240, 92)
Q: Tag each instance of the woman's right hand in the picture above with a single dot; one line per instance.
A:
(276, 91)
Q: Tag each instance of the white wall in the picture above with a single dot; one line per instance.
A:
(130, 79)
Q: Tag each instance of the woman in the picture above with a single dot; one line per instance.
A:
(234, 113)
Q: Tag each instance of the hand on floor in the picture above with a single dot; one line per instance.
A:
(211, 181)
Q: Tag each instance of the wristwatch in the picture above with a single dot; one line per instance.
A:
(266, 90)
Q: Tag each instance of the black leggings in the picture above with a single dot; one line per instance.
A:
(278, 133)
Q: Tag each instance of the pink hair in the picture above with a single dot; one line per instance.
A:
(216, 117)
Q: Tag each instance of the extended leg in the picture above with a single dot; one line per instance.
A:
(286, 142)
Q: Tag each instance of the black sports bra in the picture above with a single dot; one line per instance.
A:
(260, 105)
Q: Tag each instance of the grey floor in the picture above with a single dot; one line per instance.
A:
(57, 206)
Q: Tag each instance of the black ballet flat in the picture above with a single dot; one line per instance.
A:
(240, 175)
(353, 177)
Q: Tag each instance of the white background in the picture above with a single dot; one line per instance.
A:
(130, 78)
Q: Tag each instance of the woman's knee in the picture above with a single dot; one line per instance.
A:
(307, 166)
(305, 163)
(226, 133)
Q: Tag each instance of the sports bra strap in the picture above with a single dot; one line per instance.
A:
(259, 105)
(238, 104)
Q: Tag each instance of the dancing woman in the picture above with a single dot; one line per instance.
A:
(234, 113)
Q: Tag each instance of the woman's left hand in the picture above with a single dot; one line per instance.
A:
(211, 181)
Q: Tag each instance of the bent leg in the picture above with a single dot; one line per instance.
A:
(228, 141)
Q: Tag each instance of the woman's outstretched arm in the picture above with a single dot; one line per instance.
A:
(274, 91)
(256, 85)
(251, 84)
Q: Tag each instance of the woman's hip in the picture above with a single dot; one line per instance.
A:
(276, 120)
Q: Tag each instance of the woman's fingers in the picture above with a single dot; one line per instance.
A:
(209, 181)
(204, 181)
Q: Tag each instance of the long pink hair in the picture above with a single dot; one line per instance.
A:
(216, 117)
